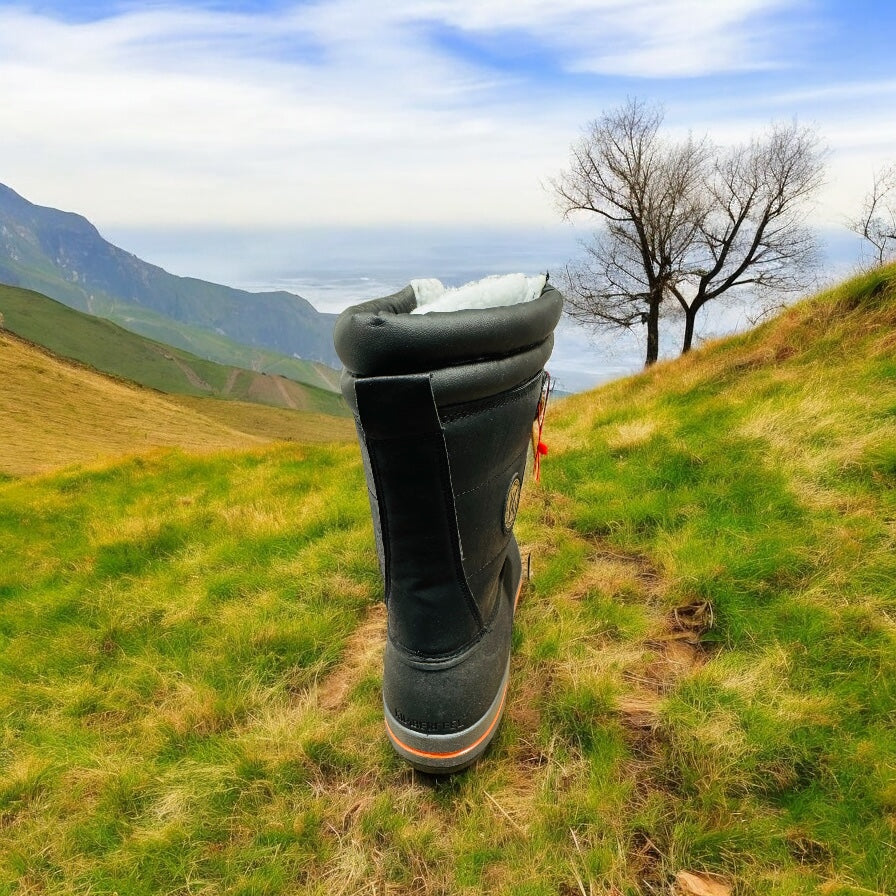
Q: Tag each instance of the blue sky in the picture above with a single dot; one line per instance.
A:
(444, 113)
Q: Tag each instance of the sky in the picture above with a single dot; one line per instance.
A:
(219, 134)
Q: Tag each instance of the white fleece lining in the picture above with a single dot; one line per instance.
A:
(491, 292)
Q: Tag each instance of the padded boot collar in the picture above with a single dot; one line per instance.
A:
(382, 337)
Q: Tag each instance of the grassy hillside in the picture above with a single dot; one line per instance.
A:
(61, 254)
(222, 349)
(209, 344)
(272, 423)
(55, 413)
(704, 676)
(111, 349)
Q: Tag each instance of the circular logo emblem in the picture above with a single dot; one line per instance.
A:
(512, 503)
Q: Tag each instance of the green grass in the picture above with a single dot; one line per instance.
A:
(216, 347)
(704, 672)
(109, 348)
(163, 622)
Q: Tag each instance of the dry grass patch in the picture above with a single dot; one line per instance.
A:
(283, 424)
(59, 413)
(56, 414)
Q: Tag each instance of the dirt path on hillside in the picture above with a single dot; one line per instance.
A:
(330, 377)
(231, 381)
(192, 377)
(363, 652)
(281, 388)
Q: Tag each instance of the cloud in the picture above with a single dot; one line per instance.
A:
(848, 92)
(637, 38)
(320, 113)
(346, 112)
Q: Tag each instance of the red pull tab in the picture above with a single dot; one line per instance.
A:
(540, 448)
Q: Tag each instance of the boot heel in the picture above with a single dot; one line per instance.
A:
(444, 754)
(456, 702)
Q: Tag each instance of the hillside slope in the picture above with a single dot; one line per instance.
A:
(62, 255)
(111, 349)
(703, 683)
(55, 413)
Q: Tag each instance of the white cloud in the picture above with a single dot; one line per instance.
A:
(851, 92)
(345, 112)
(638, 38)
(219, 116)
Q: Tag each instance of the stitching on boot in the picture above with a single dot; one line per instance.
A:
(497, 556)
(476, 407)
(454, 531)
(384, 526)
(502, 472)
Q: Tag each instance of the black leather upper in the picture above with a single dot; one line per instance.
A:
(430, 603)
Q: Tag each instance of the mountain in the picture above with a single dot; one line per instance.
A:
(108, 348)
(703, 685)
(62, 255)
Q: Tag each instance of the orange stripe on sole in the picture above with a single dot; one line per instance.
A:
(456, 753)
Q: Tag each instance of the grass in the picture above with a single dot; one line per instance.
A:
(274, 423)
(55, 413)
(266, 378)
(703, 676)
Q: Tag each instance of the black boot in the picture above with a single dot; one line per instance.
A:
(444, 405)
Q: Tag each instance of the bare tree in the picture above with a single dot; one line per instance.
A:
(877, 223)
(683, 221)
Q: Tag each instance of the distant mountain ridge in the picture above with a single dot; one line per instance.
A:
(62, 255)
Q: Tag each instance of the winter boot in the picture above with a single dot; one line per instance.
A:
(444, 404)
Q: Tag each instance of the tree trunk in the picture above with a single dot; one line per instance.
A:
(653, 332)
(690, 316)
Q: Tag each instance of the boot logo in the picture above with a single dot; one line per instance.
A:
(512, 503)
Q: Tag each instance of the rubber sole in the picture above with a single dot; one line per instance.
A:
(445, 754)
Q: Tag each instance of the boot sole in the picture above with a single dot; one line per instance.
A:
(444, 754)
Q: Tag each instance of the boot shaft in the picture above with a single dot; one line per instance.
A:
(444, 487)
(444, 405)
